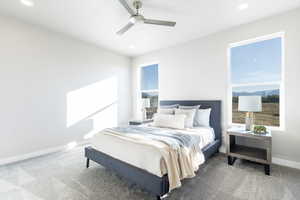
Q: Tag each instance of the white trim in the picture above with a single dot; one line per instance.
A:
(258, 39)
(229, 87)
(19, 158)
(286, 163)
(149, 91)
(282, 83)
(256, 84)
(148, 64)
(282, 86)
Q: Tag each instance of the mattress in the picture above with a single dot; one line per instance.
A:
(141, 156)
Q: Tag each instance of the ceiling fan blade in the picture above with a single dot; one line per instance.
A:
(127, 7)
(159, 22)
(125, 28)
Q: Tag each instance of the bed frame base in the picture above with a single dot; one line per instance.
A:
(158, 186)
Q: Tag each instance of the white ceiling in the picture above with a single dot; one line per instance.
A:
(97, 21)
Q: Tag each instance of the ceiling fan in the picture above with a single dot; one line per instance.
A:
(136, 17)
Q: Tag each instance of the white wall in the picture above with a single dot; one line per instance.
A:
(198, 70)
(40, 74)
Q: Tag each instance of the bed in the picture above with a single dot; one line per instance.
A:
(145, 173)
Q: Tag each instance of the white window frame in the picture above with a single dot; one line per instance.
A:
(140, 91)
(281, 83)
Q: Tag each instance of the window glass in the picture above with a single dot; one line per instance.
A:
(256, 62)
(256, 71)
(149, 77)
(149, 88)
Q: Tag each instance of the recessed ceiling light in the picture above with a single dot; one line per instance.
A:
(243, 6)
(131, 47)
(28, 3)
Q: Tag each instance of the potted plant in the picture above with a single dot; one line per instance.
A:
(260, 130)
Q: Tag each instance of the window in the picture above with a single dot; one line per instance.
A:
(149, 87)
(256, 70)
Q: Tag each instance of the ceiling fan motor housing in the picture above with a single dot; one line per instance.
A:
(137, 4)
(137, 19)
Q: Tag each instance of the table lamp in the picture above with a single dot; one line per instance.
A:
(145, 104)
(250, 104)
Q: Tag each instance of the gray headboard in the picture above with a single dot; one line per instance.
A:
(215, 116)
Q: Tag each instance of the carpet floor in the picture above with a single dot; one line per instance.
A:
(63, 176)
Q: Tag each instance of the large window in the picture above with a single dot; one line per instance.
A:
(256, 70)
(149, 88)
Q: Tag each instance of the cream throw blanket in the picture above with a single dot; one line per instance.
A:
(180, 163)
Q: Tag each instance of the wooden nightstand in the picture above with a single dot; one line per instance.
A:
(140, 122)
(261, 155)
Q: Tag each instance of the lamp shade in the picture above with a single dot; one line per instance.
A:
(250, 104)
(145, 103)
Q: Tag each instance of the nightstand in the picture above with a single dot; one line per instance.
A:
(261, 155)
(140, 122)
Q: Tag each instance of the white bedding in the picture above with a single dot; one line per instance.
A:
(141, 156)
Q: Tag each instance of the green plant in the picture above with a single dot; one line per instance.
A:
(260, 130)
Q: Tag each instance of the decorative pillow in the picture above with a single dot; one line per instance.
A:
(169, 106)
(190, 115)
(169, 121)
(203, 117)
(168, 111)
(196, 115)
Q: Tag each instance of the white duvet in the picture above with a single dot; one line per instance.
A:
(142, 156)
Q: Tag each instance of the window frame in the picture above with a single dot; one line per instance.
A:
(282, 115)
(140, 91)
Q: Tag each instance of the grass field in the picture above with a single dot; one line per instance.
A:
(268, 117)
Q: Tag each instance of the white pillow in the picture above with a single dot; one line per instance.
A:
(203, 117)
(192, 107)
(169, 121)
(168, 111)
(190, 115)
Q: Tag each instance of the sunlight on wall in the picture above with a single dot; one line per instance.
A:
(96, 101)
(105, 119)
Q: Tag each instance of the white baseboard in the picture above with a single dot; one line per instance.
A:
(286, 163)
(36, 154)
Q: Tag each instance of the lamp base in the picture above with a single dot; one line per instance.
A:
(249, 121)
(144, 111)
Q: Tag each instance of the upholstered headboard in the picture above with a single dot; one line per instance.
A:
(215, 116)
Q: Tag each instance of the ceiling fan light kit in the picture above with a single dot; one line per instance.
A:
(137, 18)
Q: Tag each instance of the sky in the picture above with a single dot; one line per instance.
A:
(258, 62)
(149, 77)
